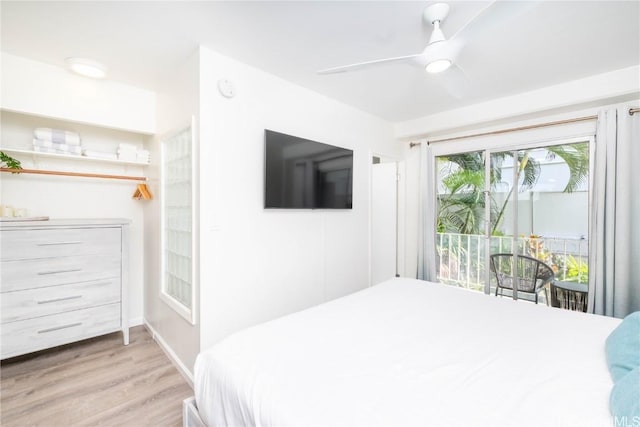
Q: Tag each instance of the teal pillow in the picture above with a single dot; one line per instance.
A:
(624, 401)
(623, 347)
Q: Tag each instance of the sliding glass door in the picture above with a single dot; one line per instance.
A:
(529, 202)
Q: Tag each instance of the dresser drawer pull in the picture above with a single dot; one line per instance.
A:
(57, 328)
(107, 282)
(58, 243)
(43, 273)
(49, 301)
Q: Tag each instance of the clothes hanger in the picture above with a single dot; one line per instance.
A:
(142, 192)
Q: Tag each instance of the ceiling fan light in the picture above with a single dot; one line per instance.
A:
(87, 67)
(438, 66)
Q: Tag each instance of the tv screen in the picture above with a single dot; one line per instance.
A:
(305, 174)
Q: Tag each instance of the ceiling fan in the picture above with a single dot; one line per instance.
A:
(441, 53)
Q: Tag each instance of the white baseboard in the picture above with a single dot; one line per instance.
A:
(188, 376)
(136, 322)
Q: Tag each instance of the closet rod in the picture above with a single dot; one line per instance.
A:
(80, 174)
(497, 132)
(632, 111)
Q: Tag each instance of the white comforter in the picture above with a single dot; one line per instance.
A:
(408, 352)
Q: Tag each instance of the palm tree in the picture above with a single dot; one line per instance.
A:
(461, 208)
(576, 156)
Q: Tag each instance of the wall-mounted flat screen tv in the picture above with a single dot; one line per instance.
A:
(305, 174)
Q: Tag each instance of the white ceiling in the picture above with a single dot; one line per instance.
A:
(548, 42)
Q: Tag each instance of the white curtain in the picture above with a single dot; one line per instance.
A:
(427, 256)
(614, 276)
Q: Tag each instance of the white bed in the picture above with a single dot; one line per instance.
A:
(409, 352)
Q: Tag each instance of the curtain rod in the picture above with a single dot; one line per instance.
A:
(497, 132)
(80, 174)
(632, 111)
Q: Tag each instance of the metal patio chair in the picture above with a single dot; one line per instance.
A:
(530, 275)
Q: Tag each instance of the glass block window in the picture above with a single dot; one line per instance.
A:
(177, 223)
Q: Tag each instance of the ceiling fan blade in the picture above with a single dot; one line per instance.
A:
(455, 81)
(491, 16)
(352, 67)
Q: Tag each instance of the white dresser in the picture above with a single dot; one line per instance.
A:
(62, 281)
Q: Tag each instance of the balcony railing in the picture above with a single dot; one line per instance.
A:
(462, 256)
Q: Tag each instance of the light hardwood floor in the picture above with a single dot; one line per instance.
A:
(97, 382)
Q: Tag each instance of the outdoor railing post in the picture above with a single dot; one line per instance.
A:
(458, 257)
(479, 252)
(449, 257)
(564, 270)
(468, 270)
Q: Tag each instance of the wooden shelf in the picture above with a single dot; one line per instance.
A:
(70, 157)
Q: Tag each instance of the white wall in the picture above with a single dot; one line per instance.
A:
(259, 264)
(36, 88)
(177, 102)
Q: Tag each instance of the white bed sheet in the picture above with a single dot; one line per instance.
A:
(409, 352)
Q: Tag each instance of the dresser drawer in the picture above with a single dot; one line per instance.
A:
(42, 332)
(30, 244)
(38, 273)
(22, 305)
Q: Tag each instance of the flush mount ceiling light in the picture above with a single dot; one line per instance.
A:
(87, 67)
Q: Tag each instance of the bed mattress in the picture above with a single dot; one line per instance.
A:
(409, 352)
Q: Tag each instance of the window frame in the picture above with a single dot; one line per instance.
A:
(541, 138)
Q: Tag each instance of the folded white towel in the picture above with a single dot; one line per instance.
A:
(53, 151)
(130, 153)
(75, 149)
(125, 146)
(143, 156)
(126, 151)
(99, 154)
(57, 135)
